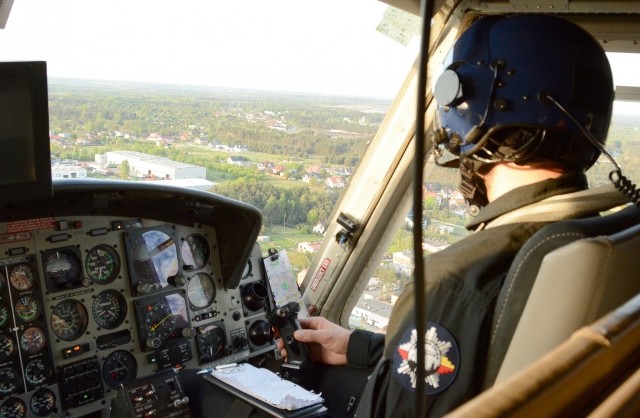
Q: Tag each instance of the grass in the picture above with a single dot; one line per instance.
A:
(282, 238)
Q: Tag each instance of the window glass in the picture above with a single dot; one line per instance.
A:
(272, 103)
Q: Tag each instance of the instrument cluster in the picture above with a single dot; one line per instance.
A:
(88, 303)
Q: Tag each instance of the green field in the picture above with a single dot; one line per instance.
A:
(282, 238)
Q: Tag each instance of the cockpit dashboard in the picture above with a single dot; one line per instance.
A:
(106, 282)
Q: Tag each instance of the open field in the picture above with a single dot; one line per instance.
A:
(282, 238)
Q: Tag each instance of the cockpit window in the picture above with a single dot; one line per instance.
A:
(271, 103)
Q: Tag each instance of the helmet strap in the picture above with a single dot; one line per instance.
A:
(472, 185)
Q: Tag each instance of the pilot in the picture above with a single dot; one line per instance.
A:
(524, 104)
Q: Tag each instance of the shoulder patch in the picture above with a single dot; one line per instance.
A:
(441, 362)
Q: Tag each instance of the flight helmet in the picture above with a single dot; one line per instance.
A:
(523, 88)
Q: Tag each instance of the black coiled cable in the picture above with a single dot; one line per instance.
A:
(620, 182)
(625, 186)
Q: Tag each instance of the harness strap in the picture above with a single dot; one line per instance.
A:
(565, 206)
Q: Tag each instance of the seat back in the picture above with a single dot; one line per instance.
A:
(559, 281)
(595, 373)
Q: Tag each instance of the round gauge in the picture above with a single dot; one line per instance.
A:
(4, 314)
(21, 277)
(7, 347)
(43, 402)
(3, 283)
(33, 340)
(69, 320)
(109, 309)
(160, 321)
(247, 270)
(37, 371)
(13, 408)
(102, 264)
(62, 269)
(195, 252)
(201, 290)
(211, 342)
(9, 381)
(27, 308)
(160, 318)
(155, 258)
(119, 367)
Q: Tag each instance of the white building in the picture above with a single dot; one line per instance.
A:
(68, 171)
(372, 313)
(309, 247)
(146, 165)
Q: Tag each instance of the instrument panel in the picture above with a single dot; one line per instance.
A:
(90, 302)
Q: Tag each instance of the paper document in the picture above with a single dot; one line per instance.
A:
(266, 386)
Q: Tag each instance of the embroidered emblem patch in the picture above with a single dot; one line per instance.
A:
(441, 362)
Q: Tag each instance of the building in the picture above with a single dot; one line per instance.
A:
(145, 165)
(371, 314)
(237, 160)
(309, 247)
(434, 246)
(335, 182)
(68, 171)
(403, 262)
(320, 228)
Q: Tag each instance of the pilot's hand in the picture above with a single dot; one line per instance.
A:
(327, 341)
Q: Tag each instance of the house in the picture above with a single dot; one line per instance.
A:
(278, 170)
(372, 314)
(237, 160)
(307, 177)
(335, 182)
(320, 228)
(309, 247)
(433, 246)
(403, 263)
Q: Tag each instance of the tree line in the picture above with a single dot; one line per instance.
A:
(298, 207)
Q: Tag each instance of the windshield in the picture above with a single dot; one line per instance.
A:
(271, 103)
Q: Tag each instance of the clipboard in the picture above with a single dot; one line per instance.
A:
(316, 410)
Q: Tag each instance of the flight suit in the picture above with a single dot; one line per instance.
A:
(462, 285)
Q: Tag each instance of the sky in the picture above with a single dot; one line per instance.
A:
(328, 46)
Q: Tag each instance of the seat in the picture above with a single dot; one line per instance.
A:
(594, 373)
(565, 276)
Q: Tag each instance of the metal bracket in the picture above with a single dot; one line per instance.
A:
(349, 228)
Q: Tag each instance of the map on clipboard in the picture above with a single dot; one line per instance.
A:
(274, 392)
(283, 282)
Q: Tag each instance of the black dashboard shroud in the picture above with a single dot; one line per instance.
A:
(108, 282)
(238, 223)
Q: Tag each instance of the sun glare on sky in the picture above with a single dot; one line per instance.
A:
(328, 46)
